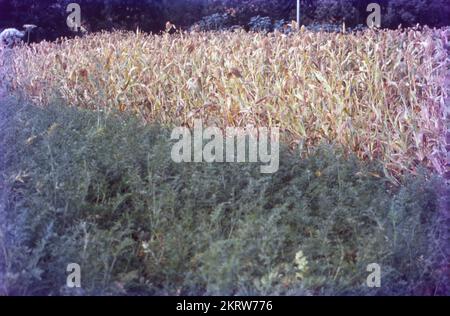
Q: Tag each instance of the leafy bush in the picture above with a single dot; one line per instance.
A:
(283, 27)
(101, 190)
(333, 11)
(409, 13)
(214, 22)
(260, 24)
(335, 28)
(325, 27)
(279, 24)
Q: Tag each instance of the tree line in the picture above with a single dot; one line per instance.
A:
(152, 15)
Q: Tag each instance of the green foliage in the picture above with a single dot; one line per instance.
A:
(412, 12)
(151, 15)
(336, 11)
(102, 191)
(214, 22)
(260, 24)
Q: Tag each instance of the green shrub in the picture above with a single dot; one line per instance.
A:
(102, 191)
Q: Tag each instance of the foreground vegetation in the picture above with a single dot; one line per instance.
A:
(377, 93)
(101, 190)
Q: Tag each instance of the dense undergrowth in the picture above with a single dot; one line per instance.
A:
(101, 191)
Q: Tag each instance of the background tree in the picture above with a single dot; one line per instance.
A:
(152, 15)
(411, 12)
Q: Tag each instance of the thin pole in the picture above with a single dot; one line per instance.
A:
(298, 13)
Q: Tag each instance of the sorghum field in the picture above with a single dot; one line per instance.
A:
(86, 174)
(379, 93)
